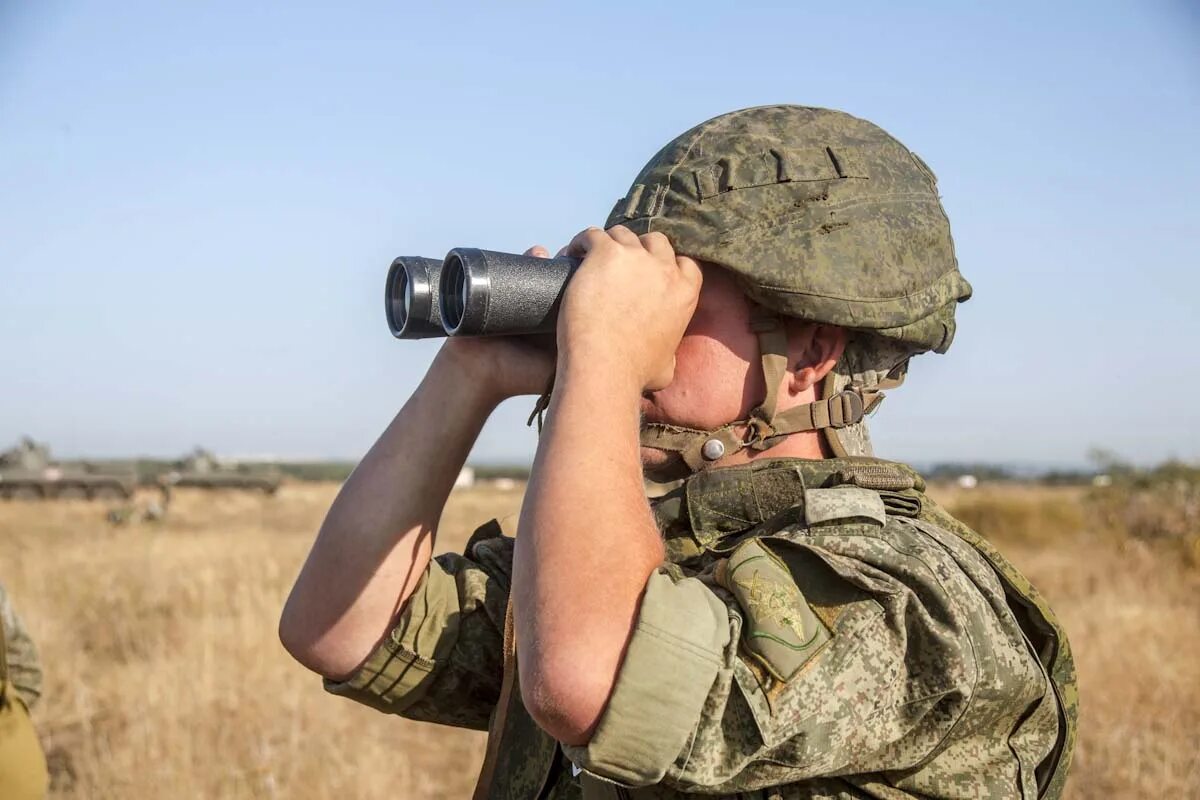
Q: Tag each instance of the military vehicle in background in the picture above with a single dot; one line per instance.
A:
(200, 469)
(28, 473)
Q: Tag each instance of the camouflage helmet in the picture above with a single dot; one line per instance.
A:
(822, 217)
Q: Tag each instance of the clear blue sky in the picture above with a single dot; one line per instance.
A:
(198, 201)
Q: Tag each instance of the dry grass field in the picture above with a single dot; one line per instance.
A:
(164, 677)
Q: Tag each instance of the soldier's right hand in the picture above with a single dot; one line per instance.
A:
(507, 366)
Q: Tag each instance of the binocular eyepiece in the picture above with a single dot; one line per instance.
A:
(475, 292)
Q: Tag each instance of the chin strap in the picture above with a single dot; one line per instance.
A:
(765, 427)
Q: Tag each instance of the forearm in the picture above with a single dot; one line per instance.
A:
(586, 546)
(377, 538)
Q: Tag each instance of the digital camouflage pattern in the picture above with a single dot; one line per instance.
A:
(909, 659)
(825, 217)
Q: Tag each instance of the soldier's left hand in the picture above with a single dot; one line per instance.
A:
(628, 305)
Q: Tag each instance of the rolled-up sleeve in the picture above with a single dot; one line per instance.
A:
(442, 661)
(682, 631)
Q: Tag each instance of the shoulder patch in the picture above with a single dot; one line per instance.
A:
(781, 630)
(843, 503)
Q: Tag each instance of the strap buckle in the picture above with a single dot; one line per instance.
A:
(845, 408)
(758, 430)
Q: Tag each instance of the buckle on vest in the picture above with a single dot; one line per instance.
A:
(845, 408)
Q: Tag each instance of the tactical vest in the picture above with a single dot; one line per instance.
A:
(702, 521)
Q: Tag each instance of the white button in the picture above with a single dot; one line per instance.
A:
(713, 449)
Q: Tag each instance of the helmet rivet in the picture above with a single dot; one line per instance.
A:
(713, 449)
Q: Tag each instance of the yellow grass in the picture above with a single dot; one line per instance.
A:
(164, 677)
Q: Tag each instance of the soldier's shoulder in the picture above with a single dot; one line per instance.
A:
(884, 542)
(848, 511)
(897, 515)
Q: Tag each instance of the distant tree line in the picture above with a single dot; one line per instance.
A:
(1105, 463)
(149, 469)
(950, 470)
(487, 472)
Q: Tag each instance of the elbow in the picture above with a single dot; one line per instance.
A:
(332, 654)
(307, 646)
(295, 636)
(566, 697)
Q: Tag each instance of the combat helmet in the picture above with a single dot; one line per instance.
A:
(822, 217)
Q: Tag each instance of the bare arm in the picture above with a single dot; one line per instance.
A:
(378, 536)
(587, 542)
(583, 556)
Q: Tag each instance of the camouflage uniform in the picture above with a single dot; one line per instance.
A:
(821, 629)
(22, 764)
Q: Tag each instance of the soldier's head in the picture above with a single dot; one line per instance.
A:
(828, 235)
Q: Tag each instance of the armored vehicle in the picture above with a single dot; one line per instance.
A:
(28, 473)
(200, 469)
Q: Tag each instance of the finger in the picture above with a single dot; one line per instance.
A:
(657, 245)
(537, 251)
(690, 270)
(562, 251)
(623, 235)
(587, 240)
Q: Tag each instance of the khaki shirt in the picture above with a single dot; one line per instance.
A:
(809, 636)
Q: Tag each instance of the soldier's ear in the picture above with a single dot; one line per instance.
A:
(814, 350)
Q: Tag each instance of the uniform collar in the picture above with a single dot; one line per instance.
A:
(716, 504)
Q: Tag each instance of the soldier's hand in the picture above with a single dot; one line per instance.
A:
(629, 304)
(510, 365)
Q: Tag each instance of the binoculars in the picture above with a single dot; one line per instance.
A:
(475, 293)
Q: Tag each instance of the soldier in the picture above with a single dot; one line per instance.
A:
(22, 763)
(797, 619)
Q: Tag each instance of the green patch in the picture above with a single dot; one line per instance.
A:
(781, 630)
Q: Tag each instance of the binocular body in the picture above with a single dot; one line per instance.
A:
(475, 292)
